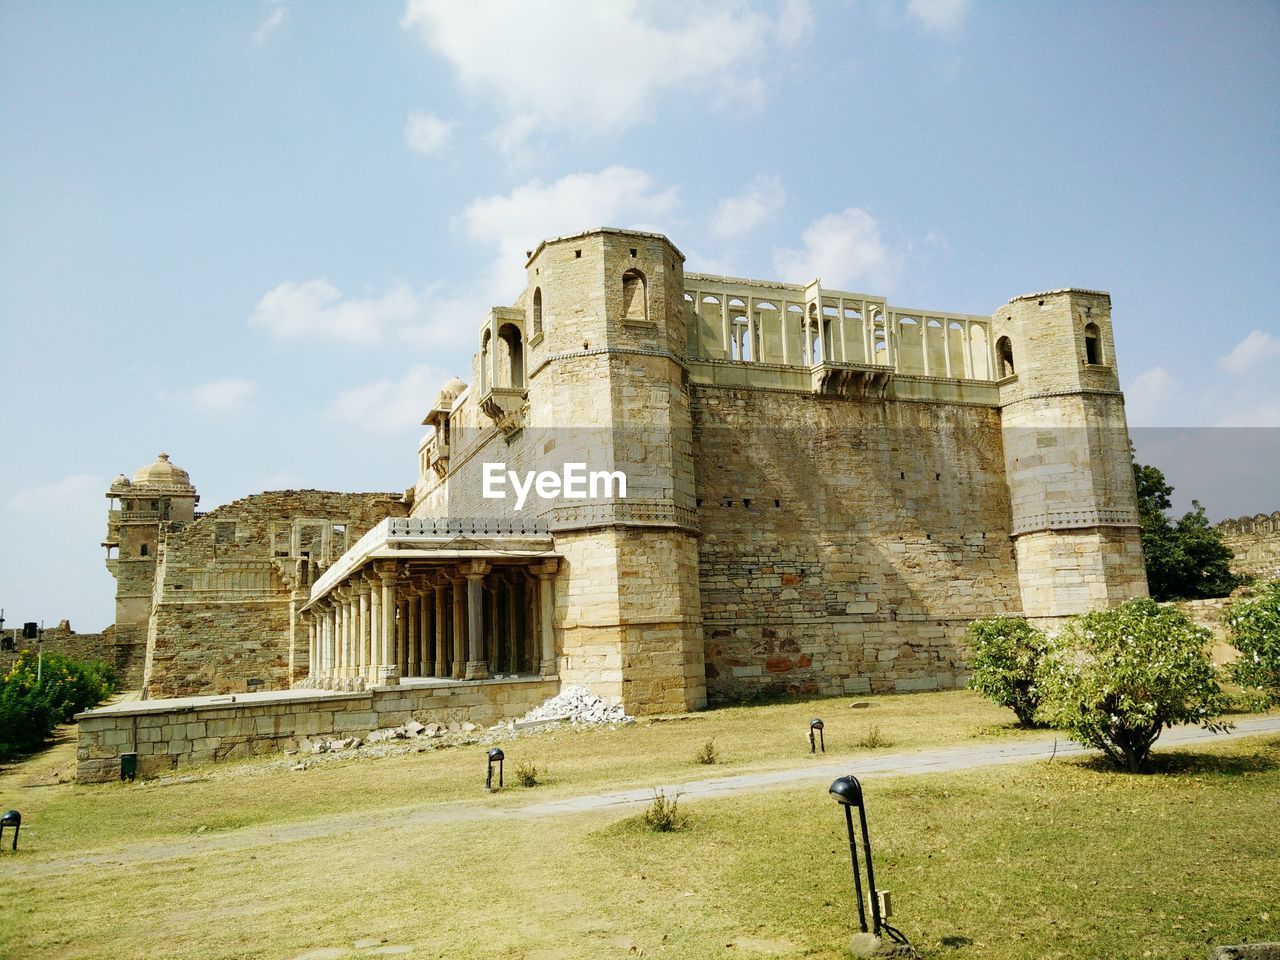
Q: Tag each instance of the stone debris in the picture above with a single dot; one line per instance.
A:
(577, 705)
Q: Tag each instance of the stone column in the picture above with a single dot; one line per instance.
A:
(513, 621)
(375, 629)
(339, 636)
(311, 647)
(428, 620)
(530, 613)
(458, 627)
(388, 663)
(946, 345)
(415, 643)
(362, 631)
(326, 668)
(442, 636)
(546, 615)
(491, 642)
(474, 571)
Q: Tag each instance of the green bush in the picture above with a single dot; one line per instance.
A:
(30, 709)
(1253, 626)
(1006, 654)
(1116, 678)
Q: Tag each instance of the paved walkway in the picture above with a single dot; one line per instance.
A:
(938, 760)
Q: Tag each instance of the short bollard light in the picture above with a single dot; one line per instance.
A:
(495, 756)
(847, 792)
(815, 726)
(10, 818)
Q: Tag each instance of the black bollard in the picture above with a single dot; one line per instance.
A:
(816, 725)
(847, 791)
(495, 756)
(10, 818)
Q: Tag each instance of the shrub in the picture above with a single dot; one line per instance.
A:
(30, 709)
(1116, 678)
(527, 774)
(663, 813)
(708, 754)
(874, 739)
(1253, 627)
(1006, 655)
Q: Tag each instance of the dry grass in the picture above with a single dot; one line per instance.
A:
(1044, 860)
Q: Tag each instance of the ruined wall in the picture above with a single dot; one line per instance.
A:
(846, 544)
(165, 737)
(66, 642)
(221, 620)
(1255, 541)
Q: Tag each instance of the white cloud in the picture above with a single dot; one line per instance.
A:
(269, 24)
(316, 308)
(762, 199)
(1147, 398)
(1253, 415)
(844, 249)
(425, 133)
(76, 493)
(515, 222)
(222, 396)
(940, 16)
(389, 406)
(604, 66)
(1258, 348)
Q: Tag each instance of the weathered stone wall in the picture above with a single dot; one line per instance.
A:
(225, 583)
(1255, 541)
(65, 641)
(846, 544)
(168, 736)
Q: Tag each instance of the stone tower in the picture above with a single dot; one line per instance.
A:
(607, 386)
(157, 494)
(1067, 457)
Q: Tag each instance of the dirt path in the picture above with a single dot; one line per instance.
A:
(927, 761)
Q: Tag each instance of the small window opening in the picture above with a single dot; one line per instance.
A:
(746, 503)
(537, 311)
(633, 251)
(1092, 344)
(1004, 353)
(634, 305)
(777, 504)
(577, 254)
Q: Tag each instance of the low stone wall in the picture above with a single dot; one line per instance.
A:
(170, 733)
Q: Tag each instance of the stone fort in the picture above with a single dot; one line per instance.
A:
(822, 490)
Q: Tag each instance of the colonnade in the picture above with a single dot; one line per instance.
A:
(769, 328)
(469, 621)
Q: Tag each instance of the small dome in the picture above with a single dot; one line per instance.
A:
(162, 473)
(452, 390)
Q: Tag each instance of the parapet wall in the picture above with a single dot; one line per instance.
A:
(1255, 541)
(208, 729)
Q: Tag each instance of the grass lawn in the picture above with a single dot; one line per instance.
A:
(1032, 860)
(254, 792)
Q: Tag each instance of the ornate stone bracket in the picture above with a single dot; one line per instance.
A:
(506, 407)
(851, 380)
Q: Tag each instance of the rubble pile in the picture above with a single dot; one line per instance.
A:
(578, 705)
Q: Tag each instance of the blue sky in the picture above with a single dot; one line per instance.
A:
(259, 235)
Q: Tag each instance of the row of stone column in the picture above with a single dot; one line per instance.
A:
(465, 623)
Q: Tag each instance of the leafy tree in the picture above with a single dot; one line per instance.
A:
(1186, 559)
(1253, 627)
(1006, 655)
(1116, 678)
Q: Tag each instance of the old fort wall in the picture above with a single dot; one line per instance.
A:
(1255, 541)
(846, 544)
(221, 619)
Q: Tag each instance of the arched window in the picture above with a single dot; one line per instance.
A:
(513, 362)
(1004, 354)
(537, 311)
(1092, 344)
(484, 362)
(634, 304)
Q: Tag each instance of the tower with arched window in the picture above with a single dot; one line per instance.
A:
(1067, 458)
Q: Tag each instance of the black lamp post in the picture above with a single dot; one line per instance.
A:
(495, 756)
(816, 725)
(847, 792)
(11, 818)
